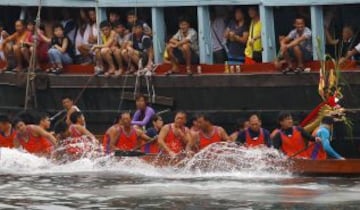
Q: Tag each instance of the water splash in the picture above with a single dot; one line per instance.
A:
(217, 160)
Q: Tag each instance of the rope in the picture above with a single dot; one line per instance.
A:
(32, 64)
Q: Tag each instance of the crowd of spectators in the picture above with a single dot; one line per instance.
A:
(123, 43)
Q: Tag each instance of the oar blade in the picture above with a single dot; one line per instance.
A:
(121, 153)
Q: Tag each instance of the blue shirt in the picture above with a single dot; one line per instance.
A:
(143, 118)
(324, 134)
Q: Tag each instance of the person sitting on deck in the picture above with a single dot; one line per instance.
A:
(103, 52)
(7, 133)
(114, 18)
(77, 127)
(290, 139)
(33, 138)
(320, 151)
(143, 114)
(296, 48)
(90, 36)
(68, 105)
(42, 48)
(139, 49)
(255, 135)
(152, 132)
(237, 34)
(208, 133)
(80, 39)
(183, 47)
(60, 51)
(348, 45)
(3, 35)
(15, 44)
(123, 136)
(132, 20)
(175, 138)
(241, 126)
(122, 37)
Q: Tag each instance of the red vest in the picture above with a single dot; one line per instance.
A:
(7, 141)
(74, 132)
(36, 145)
(127, 141)
(204, 140)
(174, 143)
(293, 144)
(253, 142)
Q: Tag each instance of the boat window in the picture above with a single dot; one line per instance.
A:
(8, 16)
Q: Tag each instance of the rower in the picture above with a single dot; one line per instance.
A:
(209, 133)
(292, 140)
(195, 125)
(44, 121)
(7, 133)
(33, 138)
(255, 135)
(143, 114)
(175, 138)
(241, 125)
(152, 132)
(123, 136)
(321, 150)
(77, 127)
(69, 106)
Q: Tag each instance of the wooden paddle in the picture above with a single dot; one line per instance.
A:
(134, 152)
(302, 150)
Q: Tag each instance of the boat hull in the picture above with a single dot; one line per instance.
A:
(349, 167)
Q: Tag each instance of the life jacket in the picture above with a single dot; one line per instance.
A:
(74, 132)
(174, 143)
(7, 141)
(317, 151)
(204, 140)
(127, 141)
(290, 145)
(253, 142)
(36, 145)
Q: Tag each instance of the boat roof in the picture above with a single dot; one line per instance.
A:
(168, 3)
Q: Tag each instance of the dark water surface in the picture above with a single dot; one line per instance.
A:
(29, 182)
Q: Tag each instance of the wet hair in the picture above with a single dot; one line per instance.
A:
(240, 123)
(104, 24)
(16, 121)
(328, 120)
(32, 22)
(206, 117)
(75, 116)
(131, 12)
(184, 19)
(60, 127)
(113, 12)
(91, 10)
(21, 21)
(283, 115)
(28, 117)
(256, 8)
(4, 118)
(41, 116)
(349, 27)
(138, 24)
(155, 118)
(57, 26)
(180, 112)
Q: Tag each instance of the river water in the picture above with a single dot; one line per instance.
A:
(234, 179)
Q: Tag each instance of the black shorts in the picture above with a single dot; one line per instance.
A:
(181, 59)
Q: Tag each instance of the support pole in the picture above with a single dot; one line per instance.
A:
(317, 28)
(205, 43)
(268, 33)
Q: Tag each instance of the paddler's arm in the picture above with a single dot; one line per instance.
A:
(307, 135)
(325, 141)
(112, 134)
(267, 138)
(41, 132)
(68, 121)
(143, 135)
(189, 140)
(161, 139)
(84, 131)
(17, 141)
(224, 135)
(241, 138)
(276, 141)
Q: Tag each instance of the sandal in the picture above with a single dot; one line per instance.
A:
(98, 70)
(188, 71)
(58, 70)
(287, 70)
(50, 70)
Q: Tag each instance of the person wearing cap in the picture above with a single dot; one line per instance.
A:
(321, 151)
